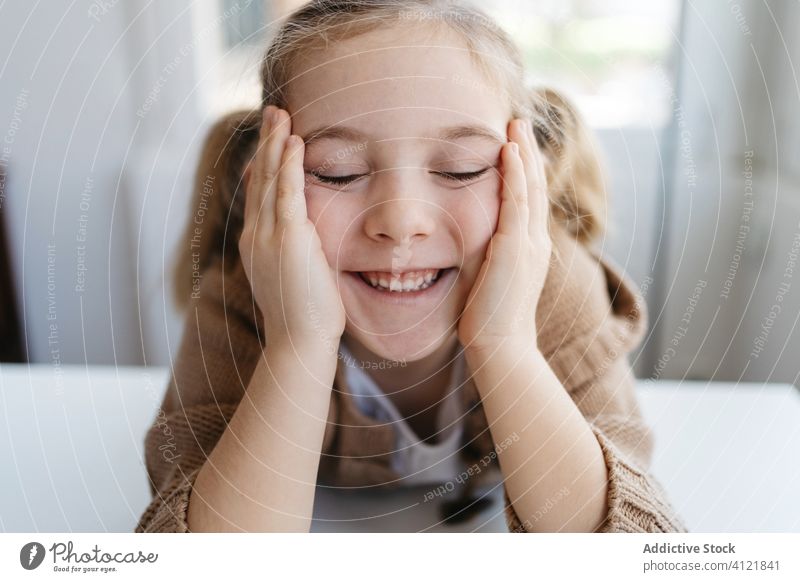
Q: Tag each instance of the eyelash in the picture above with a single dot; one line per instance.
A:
(344, 180)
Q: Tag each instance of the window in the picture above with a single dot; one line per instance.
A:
(612, 57)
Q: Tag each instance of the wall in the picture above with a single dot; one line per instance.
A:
(732, 192)
(105, 117)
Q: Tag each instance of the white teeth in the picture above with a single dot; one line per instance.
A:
(395, 284)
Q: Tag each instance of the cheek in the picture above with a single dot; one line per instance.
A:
(331, 219)
(476, 217)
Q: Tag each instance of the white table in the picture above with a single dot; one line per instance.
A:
(71, 452)
(728, 454)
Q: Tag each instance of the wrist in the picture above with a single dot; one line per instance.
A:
(494, 367)
(314, 349)
(314, 345)
(307, 367)
(502, 350)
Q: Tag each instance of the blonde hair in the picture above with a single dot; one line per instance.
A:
(575, 182)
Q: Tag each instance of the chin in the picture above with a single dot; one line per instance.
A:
(405, 347)
(398, 327)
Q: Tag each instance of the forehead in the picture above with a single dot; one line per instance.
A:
(400, 78)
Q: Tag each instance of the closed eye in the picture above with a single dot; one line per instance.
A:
(463, 176)
(344, 180)
(337, 180)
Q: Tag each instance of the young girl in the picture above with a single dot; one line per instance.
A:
(397, 286)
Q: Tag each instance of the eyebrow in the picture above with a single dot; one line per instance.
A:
(451, 133)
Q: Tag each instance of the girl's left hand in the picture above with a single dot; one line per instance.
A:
(501, 306)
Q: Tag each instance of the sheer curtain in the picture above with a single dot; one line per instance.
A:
(725, 303)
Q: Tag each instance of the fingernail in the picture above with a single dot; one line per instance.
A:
(514, 147)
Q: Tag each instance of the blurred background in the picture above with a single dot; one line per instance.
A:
(104, 105)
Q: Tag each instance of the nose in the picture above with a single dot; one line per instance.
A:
(397, 216)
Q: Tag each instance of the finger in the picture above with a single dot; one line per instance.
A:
(513, 219)
(535, 177)
(291, 198)
(253, 182)
(543, 195)
(280, 127)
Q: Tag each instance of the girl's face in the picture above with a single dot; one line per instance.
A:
(403, 136)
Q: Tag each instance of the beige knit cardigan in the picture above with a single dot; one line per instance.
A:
(589, 317)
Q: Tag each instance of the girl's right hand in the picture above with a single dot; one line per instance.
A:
(291, 280)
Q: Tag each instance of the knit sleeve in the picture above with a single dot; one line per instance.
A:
(591, 317)
(636, 500)
(176, 447)
(217, 356)
(223, 339)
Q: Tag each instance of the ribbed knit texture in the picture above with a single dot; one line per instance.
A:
(590, 316)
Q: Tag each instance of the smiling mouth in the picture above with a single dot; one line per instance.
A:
(406, 283)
